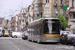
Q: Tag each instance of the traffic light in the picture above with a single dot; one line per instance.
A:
(63, 28)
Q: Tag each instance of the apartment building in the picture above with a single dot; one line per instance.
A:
(13, 25)
(2, 22)
(49, 8)
(72, 15)
(9, 25)
(18, 22)
(58, 8)
(30, 13)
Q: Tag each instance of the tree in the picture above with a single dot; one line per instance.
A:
(40, 17)
(62, 20)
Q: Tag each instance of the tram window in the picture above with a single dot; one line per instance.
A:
(51, 28)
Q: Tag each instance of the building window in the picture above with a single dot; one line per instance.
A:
(61, 1)
(47, 1)
(73, 3)
(61, 11)
(67, 12)
(46, 10)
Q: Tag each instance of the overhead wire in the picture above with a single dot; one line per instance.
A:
(18, 8)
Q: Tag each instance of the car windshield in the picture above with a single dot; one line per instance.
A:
(71, 35)
(63, 32)
(26, 33)
(6, 31)
(67, 32)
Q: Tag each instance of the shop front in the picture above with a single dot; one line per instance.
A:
(71, 25)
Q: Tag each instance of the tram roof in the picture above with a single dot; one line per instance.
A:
(43, 18)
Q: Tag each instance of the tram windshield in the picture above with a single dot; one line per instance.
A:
(51, 26)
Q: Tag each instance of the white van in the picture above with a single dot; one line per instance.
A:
(0, 31)
(16, 34)
(65, 32)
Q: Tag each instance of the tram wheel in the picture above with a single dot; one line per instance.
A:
(15, 36)
(38, 41)
(28, 39)
(32, 40)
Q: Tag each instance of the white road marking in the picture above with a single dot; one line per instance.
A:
(3, 43)
(65, 47)
(10, 38)
(14, 46)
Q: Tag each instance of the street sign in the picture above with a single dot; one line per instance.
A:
(64, 8)
(69, 30)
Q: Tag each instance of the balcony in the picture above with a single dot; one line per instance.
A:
(61, 5)
(55, 4)
(72, 9)
(67, 3)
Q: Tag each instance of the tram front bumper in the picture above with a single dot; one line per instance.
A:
(52, 40)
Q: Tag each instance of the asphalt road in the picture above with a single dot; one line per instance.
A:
(8, 43)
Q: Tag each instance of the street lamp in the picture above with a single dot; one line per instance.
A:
(41, 13)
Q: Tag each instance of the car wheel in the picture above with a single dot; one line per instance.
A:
(62, 42)
(73, 44)
(66, 43)
(15, 36)
(22, 38)
(12, 37)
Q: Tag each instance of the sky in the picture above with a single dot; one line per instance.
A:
(9, 8)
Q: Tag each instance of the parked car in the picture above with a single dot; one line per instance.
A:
(0, 34)
(68, 38)
(64, 32)
(16, 34)
(25, 35)
(73, 42)
(63, 38)
(10, 33)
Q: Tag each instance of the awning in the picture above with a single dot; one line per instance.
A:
(72, 27)
(70, 23)
(72, 10)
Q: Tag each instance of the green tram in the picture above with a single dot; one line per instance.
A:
(44, 30)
